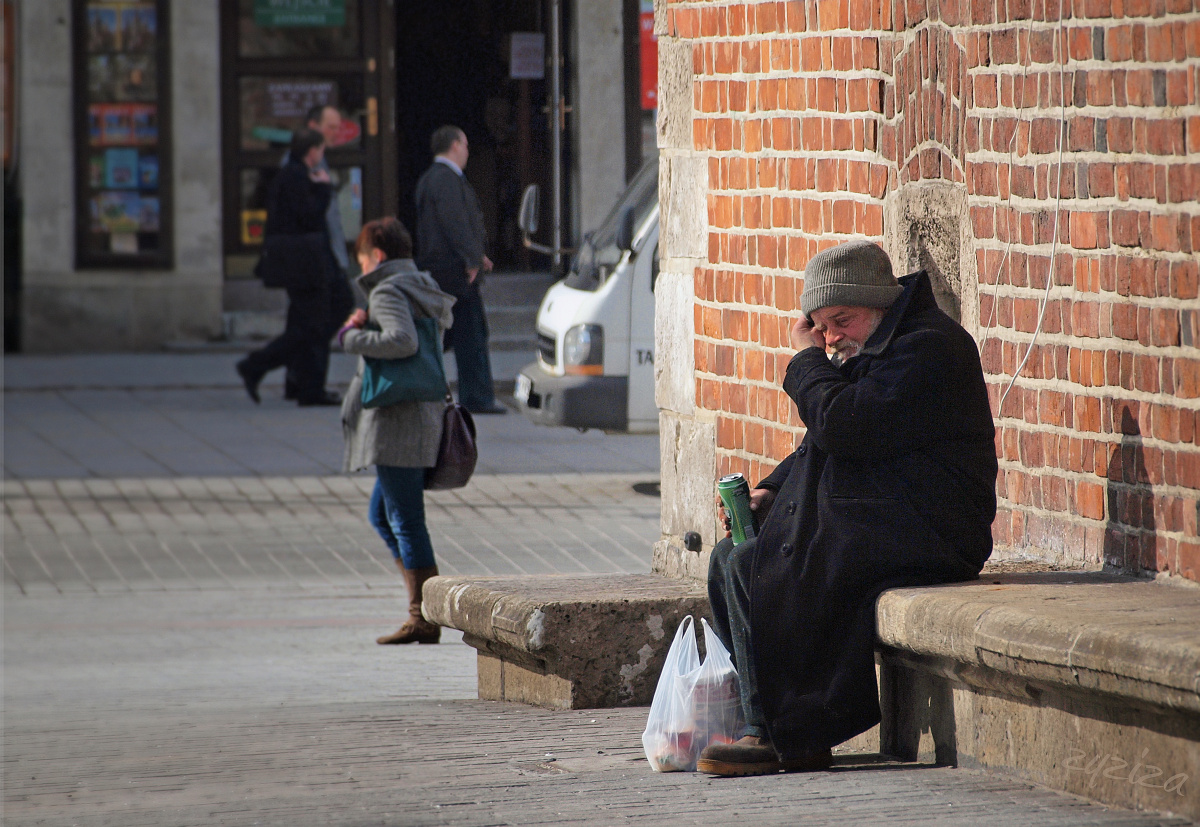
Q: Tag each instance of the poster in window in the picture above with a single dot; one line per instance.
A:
(148, 172)
(144, 123)
(96, 171)
(102, 29)
(115, 124)
(119, 212)
(121, 169)
(148, 214)
(134, 78)
(139, 27)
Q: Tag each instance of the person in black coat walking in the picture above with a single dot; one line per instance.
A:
(298, 257)
(893, 485)
(450, 246)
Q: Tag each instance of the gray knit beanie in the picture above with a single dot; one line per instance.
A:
(854, 274)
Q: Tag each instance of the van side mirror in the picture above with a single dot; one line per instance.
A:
(527, 218)
(625, 229)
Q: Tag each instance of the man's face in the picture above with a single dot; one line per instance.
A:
(329, 125)
(845, 329)
(459, 152)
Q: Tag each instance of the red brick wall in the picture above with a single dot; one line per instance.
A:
(812, 115)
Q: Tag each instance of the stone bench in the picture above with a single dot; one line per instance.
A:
(1058, 677)
(1038, 674)
(566, 641)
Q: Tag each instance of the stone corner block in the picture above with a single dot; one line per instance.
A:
(683, 206)
(674, 347)
(674, 123)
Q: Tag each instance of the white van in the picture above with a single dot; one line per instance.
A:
(595, 328)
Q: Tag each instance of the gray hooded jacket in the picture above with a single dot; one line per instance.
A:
(408, 434)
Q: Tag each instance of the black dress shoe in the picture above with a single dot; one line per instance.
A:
(249, 379)
(325, 398)
(494, 408)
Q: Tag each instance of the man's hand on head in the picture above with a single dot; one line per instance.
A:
(805, 336)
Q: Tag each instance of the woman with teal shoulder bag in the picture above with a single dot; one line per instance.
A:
(401, 440)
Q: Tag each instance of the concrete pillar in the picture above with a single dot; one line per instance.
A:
(597, 118)
(64, 309)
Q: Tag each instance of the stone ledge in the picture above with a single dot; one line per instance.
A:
(566, 641)
(1134, 639)
(1083, 682)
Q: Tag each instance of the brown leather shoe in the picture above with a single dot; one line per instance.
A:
(755, 756)
(414, 631)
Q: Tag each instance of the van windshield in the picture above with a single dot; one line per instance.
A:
(599, 254)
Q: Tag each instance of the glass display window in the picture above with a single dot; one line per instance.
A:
(123, 205)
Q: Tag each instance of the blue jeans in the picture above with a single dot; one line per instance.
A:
(397, 512)
(729, 570)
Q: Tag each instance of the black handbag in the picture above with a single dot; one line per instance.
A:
(457, 453)
(417, 378)
(297, 262)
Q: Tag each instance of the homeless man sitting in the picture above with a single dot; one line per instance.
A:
(892, 486)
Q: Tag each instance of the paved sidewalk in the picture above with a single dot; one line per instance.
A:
(213, 533)
(276, 708)
(162, 415)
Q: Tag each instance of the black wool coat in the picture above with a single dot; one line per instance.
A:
(296, 204)
(893, 485)
(296, 251)
(450, 231)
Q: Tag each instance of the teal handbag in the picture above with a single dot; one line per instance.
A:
(417, 378)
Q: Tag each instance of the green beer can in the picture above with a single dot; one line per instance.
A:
(735, 496)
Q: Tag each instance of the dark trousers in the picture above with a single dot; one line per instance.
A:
(729, 570)
(469, 339)
(313, 316)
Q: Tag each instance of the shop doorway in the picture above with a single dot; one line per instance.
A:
(454, 64)
(277, 62)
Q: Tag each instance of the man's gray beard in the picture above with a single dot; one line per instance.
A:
(840, 357)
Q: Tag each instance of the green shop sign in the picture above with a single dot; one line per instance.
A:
(268, 13)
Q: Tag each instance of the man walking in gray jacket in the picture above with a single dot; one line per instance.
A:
(450, 246)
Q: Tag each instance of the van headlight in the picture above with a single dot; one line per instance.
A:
(583, 350)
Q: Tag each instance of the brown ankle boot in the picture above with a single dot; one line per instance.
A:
(416, 629)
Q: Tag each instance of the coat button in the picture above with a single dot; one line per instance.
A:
(791, 508)
(802, 450)
(786, 549)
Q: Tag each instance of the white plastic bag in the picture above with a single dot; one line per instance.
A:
(716, 696)
(694, 705)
